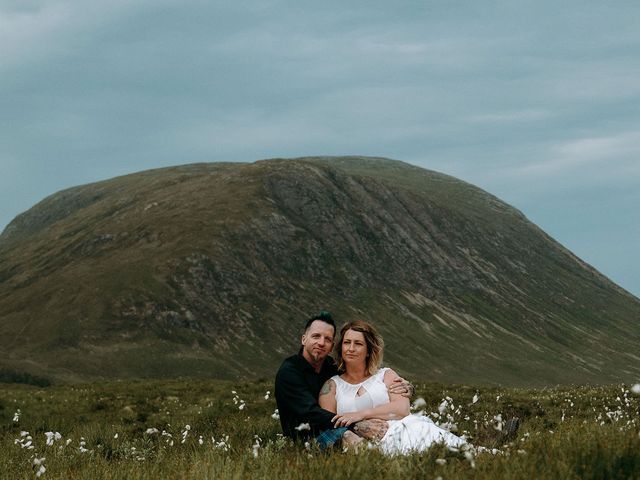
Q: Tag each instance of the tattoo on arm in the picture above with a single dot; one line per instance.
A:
(326, 388)
(362, 427)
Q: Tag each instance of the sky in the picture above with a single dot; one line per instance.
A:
(537, 102)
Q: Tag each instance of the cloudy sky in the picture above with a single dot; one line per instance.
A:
(535, 101)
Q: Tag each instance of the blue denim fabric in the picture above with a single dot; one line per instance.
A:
(327, 438)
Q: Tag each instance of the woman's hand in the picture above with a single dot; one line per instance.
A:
(347, 419)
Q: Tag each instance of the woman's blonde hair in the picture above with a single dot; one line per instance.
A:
(373, 340)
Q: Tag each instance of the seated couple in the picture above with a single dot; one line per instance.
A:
(354, 400)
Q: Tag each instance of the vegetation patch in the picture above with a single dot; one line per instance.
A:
(190, 428)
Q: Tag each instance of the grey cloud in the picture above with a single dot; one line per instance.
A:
(534, 101)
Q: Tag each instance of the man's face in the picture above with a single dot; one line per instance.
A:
(317, 342)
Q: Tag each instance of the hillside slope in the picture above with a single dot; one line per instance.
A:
(211, 269)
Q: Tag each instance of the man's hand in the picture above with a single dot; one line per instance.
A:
(372, 429)
(401, 387)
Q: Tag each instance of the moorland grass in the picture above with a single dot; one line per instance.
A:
(220, 429)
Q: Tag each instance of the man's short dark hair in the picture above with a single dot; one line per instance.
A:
(323, 316)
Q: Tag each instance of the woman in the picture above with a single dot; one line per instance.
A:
(360, 393)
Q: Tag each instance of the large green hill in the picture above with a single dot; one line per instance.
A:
(211, 269)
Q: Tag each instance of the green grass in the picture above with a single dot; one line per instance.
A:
(576, 432)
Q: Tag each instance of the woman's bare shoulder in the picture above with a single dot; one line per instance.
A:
(390, 375)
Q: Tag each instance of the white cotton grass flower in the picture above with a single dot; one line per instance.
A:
(636, 389)
(303, 426)
(276, 415)
(168, 439)
(39, 462)
(418, 403)
(185, 433)
(498, 422)
(469, 454)
(82, 448)
(52, 437)
(223, 444)
(16, 416)
(256, 446)
(25, 440)
(267, 395)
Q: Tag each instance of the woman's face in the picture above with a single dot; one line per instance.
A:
(354, 348)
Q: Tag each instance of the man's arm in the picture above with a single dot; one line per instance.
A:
(292, 390)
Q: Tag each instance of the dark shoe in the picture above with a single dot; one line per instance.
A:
(510, 430)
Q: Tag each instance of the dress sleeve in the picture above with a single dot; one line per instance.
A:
(292, 390)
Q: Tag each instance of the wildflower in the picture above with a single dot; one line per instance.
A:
(185, 433)
(115, 436)
(200, 440)
(256, 446)
(152, 431)
(498, 420)
(440, 461)
(222, 444)
(39, 462)
(276, 415)
(636, 389)
(475, 398)
(25, 441)
(82, 448)
(266, 396)
(303, 426)
(419, 403)
(469, 456)
(52, 437)
(16, 416)
(241, 407)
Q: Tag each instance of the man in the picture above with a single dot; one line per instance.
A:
(298, 383)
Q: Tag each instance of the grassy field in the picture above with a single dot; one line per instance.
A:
(216, 429)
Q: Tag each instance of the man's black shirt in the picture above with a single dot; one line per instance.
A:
(297, 389)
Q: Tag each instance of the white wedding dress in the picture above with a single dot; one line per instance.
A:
(413, 433)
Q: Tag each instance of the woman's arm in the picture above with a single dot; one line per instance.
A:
(327, 398)
(397, 408)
